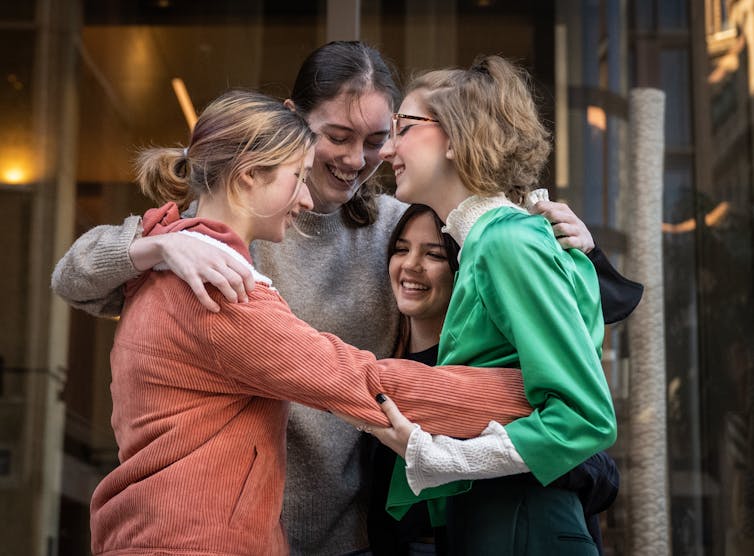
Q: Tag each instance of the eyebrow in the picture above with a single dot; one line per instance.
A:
(350, 129)
(440, 245)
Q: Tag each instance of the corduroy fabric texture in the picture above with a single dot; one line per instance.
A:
(199, 417)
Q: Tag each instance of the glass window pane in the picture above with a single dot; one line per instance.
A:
(674, 75)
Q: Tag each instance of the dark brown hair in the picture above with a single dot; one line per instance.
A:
(352, 68)
(451, 250)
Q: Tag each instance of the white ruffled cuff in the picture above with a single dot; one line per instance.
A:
(433, 461)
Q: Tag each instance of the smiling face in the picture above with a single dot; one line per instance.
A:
(419, 155)
(277, 199)
(352, 130)
(420, 275)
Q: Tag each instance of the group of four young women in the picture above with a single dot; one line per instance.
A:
(215, 376)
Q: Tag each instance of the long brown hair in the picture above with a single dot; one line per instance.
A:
(352, 68)
(451, 250)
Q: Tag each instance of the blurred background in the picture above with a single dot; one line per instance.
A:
(85, 82)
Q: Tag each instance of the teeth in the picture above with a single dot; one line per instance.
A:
(344, 176)
(413, 286)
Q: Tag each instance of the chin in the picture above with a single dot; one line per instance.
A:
(404, 194)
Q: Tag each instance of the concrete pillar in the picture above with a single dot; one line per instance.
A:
(648, 474)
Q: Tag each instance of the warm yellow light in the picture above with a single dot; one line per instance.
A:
(16, 167)
(712, 218)
(729, 62)
(596, 117)
(15, 175)
(685, 226)
(181, 93)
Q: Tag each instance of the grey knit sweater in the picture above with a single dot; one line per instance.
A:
(334, 278)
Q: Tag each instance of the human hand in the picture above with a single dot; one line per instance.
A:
(394, 437)
(196, 263)
(569, 230)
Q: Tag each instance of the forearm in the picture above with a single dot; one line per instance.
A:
(455, 401)
(284, 358)
(553, 320)
(90, 274)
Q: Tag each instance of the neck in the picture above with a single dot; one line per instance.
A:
(215, 207)
(453, 194)
(425, 333)
(324, 208)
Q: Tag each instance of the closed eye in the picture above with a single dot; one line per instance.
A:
(404, 129)
(336, 140)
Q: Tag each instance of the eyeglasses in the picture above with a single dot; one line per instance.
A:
(398, 130)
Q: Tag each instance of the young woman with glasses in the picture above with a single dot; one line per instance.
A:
(469, 143)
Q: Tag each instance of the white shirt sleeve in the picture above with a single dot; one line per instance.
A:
(433, 461)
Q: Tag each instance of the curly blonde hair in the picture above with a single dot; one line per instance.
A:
(488, 112)
(238, 132)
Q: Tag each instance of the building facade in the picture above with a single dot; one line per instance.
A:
(85, 82)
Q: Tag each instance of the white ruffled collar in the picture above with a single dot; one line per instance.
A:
(464, 216)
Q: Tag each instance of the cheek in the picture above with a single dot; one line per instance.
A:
(394, 268)
(442, 282)
(324, 152)
(373, 159)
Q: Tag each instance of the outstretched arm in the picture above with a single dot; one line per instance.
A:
(273, 354)
(91, 273)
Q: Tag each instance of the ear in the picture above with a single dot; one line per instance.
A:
(449, 153)
(288, 103)
(248, 178)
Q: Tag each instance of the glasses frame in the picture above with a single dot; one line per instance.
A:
(397, 116)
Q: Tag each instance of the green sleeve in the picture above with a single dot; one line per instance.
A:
(546, 302)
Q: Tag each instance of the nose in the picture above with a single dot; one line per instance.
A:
(412, 261)
(388, 150)
(354, 158)
(305, 198)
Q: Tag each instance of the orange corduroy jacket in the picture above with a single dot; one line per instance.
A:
(199, 412)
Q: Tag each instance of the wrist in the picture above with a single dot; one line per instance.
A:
(145, 253)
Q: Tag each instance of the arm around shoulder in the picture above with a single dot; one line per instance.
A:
(90, 275)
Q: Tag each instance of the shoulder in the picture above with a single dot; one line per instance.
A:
(264, 310)
(390, 208)
(511, 233)
(390, 211)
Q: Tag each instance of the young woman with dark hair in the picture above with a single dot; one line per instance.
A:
(422, 263)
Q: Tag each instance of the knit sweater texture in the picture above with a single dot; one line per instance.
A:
(334, 278)
(199, 417)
